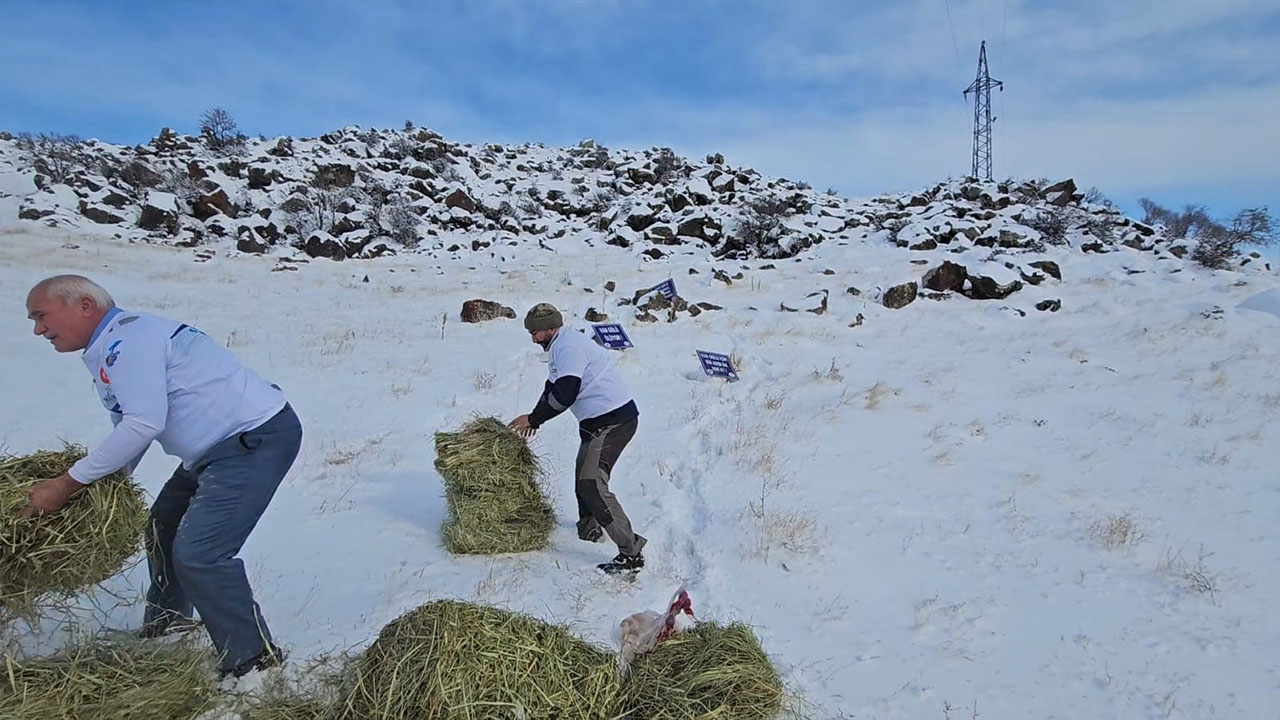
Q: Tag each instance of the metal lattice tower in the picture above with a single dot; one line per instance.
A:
(981, 89)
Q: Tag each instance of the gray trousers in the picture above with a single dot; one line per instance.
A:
(597, 505)
(199, 522)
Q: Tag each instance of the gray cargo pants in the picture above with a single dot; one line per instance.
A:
(597, 506)
(199, 522)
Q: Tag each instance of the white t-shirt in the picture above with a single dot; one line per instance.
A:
(602, 388)
(162, 380)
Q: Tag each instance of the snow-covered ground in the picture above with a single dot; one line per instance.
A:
(950, 507)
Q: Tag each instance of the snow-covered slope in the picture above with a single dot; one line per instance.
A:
(1048, 514)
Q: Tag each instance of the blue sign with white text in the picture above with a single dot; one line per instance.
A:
(612, 336)
(717, 365)
(666, 287)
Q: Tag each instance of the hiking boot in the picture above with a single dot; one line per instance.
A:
(623, 563)
(271, 656)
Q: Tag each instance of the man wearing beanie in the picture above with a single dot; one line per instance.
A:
(582, 378)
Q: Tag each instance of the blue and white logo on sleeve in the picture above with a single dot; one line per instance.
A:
(717, 365)
(113, 353)
(612, 336)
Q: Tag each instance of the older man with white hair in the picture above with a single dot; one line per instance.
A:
(233, 431)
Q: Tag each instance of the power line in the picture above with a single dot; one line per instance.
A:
(1004, 23)
(952, 25)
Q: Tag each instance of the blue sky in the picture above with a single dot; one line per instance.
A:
(1177, 100)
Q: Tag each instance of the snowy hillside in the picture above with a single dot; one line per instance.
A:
(363, 193)
(968, 504)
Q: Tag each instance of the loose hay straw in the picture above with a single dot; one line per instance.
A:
(63, 552)
(110, 681)
(491, 481)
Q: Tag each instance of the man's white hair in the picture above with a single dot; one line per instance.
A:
(71, 288)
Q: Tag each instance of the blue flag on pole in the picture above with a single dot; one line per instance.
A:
(612, 336)
(717, 365)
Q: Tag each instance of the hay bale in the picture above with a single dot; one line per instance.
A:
(64, 552)
(458, 660)
(451, 659)
(710, 671)
(111, 681)
(491, 482)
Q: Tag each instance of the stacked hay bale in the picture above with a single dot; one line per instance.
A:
(102, 681)
(491, 481)
(451, 659)
(62, 553)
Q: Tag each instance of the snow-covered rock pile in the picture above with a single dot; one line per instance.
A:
(357, 193)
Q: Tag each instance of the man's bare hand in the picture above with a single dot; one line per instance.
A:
(50, 495)
(522, 427)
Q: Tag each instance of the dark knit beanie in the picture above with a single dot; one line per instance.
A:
(543, 316)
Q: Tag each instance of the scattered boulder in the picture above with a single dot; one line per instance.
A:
(640, 219)
(476, 311)
(213, 203)
(947, 277)
(247, 244)
(283, 148)
(34, 212)
(461, 200)
(115, 199)
(259, 177)
(159, 213)
(899, 296)
(1060, 193)
(334, 175)
(99, 214)
(322, 244)
(1049, 267)
(986, 288)
(1049, 305)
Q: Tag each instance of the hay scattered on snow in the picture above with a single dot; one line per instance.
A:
(710, 671)
(316, 692)
(64, 552)
(110, 681)
(491, 482)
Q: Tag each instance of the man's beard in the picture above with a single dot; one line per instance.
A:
(547, 344)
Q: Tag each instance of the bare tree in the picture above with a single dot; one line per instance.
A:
(219, 131)
(54, 155)
(1216, 243)
(1051, 223)
(401, 222)
(666, 164)
(1220, 244)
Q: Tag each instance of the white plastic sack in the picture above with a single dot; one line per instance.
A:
(641, 632)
